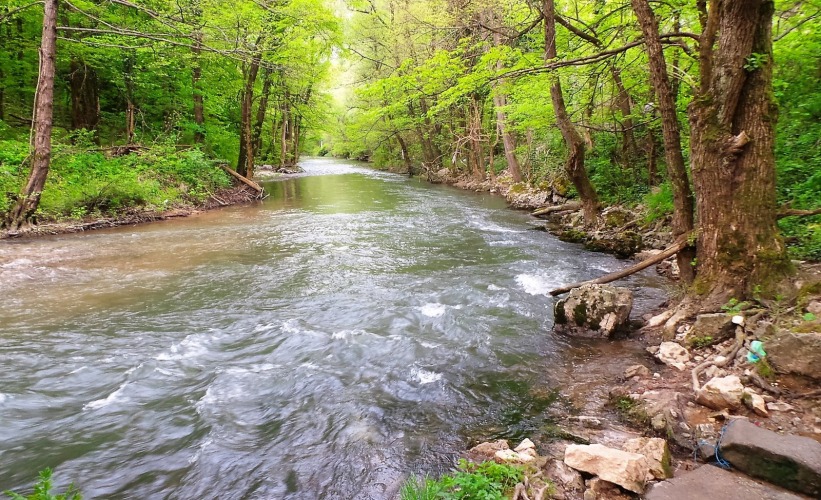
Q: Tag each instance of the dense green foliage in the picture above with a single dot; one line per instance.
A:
(470, 481)
(42, 490)
(134, 72)
(84, 181)
(432, 72)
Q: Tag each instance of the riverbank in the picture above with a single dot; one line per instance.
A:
(694, 381)
(235, 195)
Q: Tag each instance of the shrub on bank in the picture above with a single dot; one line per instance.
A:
(485, 481)
(84, 180)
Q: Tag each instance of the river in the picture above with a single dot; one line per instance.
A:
(352, 328)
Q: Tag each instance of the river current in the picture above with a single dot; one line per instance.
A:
(354, 327)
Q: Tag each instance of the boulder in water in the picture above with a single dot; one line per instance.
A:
(594, 310)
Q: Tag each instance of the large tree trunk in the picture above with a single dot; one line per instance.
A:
(575, 144)
(85, 99)
(676, 170)
(196, 75)
(732, 119)
(29, 199)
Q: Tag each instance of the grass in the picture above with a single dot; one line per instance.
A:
(485, 481)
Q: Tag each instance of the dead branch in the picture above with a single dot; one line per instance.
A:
(669, 252)
(248, 182)
(794, 212)
(573, 205)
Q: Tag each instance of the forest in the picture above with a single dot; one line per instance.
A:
(706, 112)
(346, 332)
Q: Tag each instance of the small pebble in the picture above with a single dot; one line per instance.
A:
(657, 375)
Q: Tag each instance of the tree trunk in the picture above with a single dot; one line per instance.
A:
(625, 105)
(508, 141)
(130, 108)
(262, 109)
(575, 144)
(245, 162)
(433, 147)
(285, 137)
(85, 99)
(676, 170)
(732, 118)
(29, 199)
(196, 75)
(403, 148)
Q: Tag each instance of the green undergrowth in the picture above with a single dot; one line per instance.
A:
(84, 181)
(42, 490)
(485, 481)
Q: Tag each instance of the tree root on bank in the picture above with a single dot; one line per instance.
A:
(729, 356)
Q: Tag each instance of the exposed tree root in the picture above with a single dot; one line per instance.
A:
(729, 356)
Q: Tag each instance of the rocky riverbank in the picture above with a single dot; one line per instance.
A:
(751, 367)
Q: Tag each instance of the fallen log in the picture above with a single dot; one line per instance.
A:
(669, 252)
(573, 205)
(248, 182)
(794, 212)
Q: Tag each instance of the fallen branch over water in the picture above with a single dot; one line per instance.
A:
(573, 205)
(248, 182)
(669, 252)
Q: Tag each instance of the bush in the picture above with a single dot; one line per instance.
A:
(42, 490)
(83, 181)
(485, 481)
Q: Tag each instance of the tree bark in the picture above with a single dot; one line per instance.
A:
(245, 162)
(267, 80)
(285, 137)
(676, 170)
(732, 119)
(23, 211)
(130, 108)
(574, 166)
(196, 75)
(508, 141)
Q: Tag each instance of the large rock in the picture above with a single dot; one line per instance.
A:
(718, 327)
(721, 393)
(657, 453)
(594, 310)
(712, 483)
(673, 354)
(628, 470)
(793, 462)
(798, 353)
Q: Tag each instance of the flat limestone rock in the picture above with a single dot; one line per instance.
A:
(793, 462)
(721, 393)
(628, 470)
(657, 453)
(712, 483)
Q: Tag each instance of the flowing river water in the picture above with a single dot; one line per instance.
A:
(352, 328)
